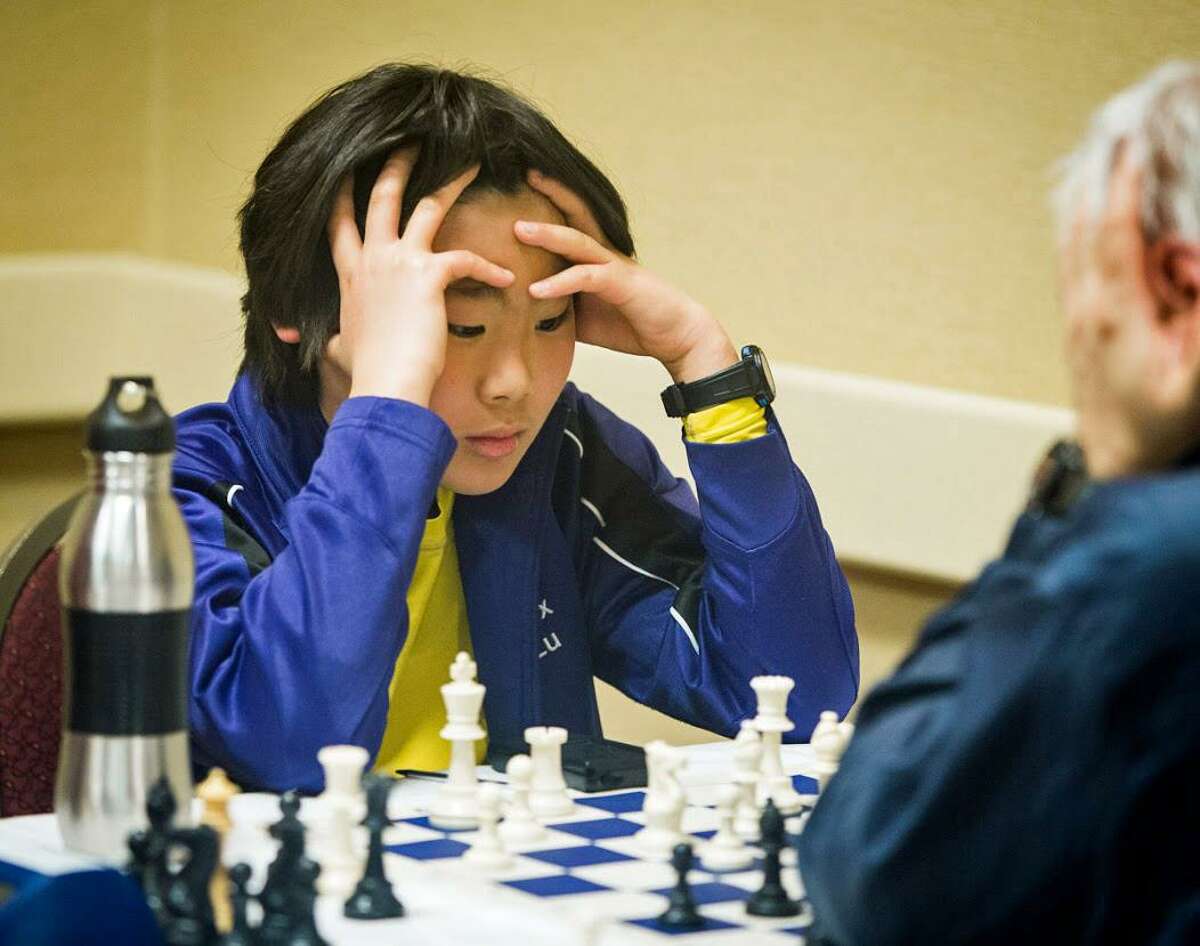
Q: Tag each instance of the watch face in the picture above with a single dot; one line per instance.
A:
(764, 369)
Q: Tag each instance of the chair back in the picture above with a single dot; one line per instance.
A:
(31, 666)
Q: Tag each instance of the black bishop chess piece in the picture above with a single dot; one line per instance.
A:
(373, 898)
(771, 899)
(278, 895)
(681, 910)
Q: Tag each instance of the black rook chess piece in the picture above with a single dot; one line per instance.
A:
(373, 898)
(681, 910)
(771, 899)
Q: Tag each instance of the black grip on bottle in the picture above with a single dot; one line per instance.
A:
(126, 674)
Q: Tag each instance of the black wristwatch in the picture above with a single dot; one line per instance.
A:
(750, 377)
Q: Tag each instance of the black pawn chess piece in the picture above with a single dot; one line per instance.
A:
(304, 899)
(373, 898)
(771, 899)
(242, 933)
(681, 910)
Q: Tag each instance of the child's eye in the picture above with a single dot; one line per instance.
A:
(551, 325)
(464, 331)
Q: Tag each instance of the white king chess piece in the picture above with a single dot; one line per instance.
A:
(548, 796)
(457, 805)
(829, 741)
(771, 723)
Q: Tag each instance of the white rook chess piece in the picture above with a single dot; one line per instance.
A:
(665, 801)
(829, 741)
(771, 723)
(520, 826)
(747, 762)
(340, 807)
(548, 796)
(488, 850)
(726, 850)
(457, 804)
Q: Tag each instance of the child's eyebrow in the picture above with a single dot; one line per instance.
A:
(473, 287)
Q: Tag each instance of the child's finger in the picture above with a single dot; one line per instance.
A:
(565, 241)
(570, 204)
(431, 210)
(344, 241)
(463, 264)
(383, 209)
(591, 278)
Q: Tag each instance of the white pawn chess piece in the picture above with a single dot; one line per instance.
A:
(519, 825)
(340, 807)
(665, 801)
(457, 803)
(548, 796)
(488, 849)
(747, 761)
(829, 741)
(726, 850)
(771, 723)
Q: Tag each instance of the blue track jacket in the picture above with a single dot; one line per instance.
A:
(306, 536)
(1031, 773)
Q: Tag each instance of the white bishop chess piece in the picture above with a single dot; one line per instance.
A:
(829, 741)
(665, 801)
(457, 805)
(771, 723)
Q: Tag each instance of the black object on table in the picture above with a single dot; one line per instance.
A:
(373, 898)
(681, 910)
(771, 899)
(589, 763)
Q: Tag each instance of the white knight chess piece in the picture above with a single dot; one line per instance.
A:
(457, 805)
(665, 801)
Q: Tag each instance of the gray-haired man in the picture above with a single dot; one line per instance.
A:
(1032, 770)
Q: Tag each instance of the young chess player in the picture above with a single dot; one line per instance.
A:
(402, 469)
(1031, 773)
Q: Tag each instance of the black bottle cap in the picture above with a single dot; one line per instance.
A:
(130, 418)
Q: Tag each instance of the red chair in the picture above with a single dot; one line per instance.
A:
(31, 687)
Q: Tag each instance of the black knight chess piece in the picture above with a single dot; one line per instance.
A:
(771, 899)
(149, 847)
(373, 898)
(681, 910)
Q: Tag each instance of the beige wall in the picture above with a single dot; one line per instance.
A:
(855, 186)
(858, 186)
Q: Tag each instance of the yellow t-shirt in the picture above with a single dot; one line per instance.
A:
(437, 614)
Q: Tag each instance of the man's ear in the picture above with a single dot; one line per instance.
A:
(287, 334)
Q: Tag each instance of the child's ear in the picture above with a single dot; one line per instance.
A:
(287, 334)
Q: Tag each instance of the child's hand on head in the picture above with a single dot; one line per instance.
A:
(392, 337)
(622, 305)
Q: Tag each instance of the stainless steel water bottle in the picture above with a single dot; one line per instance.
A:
(125, 582)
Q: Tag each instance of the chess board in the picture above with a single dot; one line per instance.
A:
(590, 873)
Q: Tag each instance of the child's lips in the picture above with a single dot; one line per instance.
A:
(494, 447)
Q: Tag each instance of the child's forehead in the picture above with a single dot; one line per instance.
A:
(483, 224)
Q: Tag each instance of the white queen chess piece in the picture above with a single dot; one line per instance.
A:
(771, 723)
(548, 796)
(665, 801)
(829, 741)
(457, 805)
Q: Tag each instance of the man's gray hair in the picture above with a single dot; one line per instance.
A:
(1157, 124)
